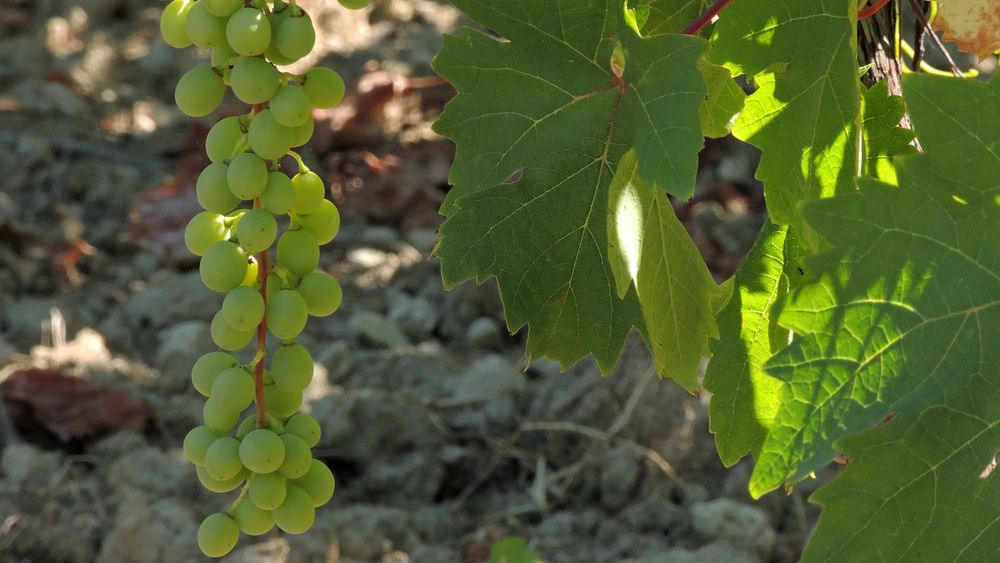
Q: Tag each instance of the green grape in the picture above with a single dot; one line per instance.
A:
(304, 426)
(296, 514)
(290, 107)
(298, 252)
(279, 14)
(243, 308)
(234, 389)
(204, 230)
(279, 195)
(254, 80)
(252, 520)
(274, 285)
(223, 266)
(318, 482)
(292, 366)
(207, 368)
(324, 87)
(287, 314)
(216, 486)
(323, 222)
(217, 418)
(213, 189)
(227, 337)
(280, 403)
(247, 176)
(267, 491)
(296, 36)
(204, 28)
(262, 451)
(172, 23)
(268, 138)
(222, 8)
(199, 92)
(304, 132)
(310, 192)
(354, 4)
(252, 270)
(249, 424)
(257, 230)
(217, 535)
(222, 459)
(276, 57)
(197, 442)
(224, 138)
(298, 458)
(248, 32)
(321, 292)
(222, 54)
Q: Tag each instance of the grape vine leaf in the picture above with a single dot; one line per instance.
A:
(651, 252)
(671, 16)
(804, 115)
(973, 24)
(883, 139)
(540, 122)
(905, 306)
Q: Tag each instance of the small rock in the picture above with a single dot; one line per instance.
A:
(275, 550)
(711, 553)
(164, 530)
(151, 471)
(742, 525)
(337, 359)
(374, 330)
(27, 466)
(379, 235)
(423, 240)
(416, 316)
(182, 345)
(484, 333)
(619, 473)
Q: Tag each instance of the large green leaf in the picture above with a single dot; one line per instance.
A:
(905, 306)
(541, 121)
(804, 115)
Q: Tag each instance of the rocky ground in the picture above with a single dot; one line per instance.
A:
(442, 437)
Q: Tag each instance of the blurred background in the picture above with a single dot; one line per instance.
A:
(444, 440)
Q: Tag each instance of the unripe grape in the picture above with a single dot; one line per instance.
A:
(324, 87)
(217, 418)
(213, 189)
(298, 251)
(262, 451)
(207, 368)
(309, 193)
(252, 520)
(257, 230)
(247, 176)
(296, 36)
(354, 4)
(172, 23)
(204, 28)
(243, 308)
(227, 337)
(323, 222)
(217, 486)
(221, 55)
(217, 535)
(222, 8)
(298, 458)
(279, 196)
(304, 426)
(292, 368)
(248, 425)
(281, 403)
(267, 491)
(223, 266)
(223, 139)
(248, 32)
(321, 292)
(252, 270)
(254, 80)
(303, 133)
(222, 459)
(234, 389)
(274, 285)
(318, 482)
(197, 442)
(268, 138)
(279, 14)
(199, 92)
(287, 314)
(290, 107)
(296, 514)
(204, 230)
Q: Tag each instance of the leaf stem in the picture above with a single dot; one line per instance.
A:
(871, 10)
(703, 19)
(258, 372)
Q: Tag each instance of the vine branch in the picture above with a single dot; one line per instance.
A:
(258, 370)
(703, 19)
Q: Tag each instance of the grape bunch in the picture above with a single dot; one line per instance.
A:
(247, 198)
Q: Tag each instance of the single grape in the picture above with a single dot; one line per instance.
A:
(246, 426)
(318, 482)
(222, 459)
(204, 230)
(296, 36)
(247, 176)
(221, 55)
(324, 87)
(243, 308)
(298, 458)
(262, 451)
(217, 535)
(280, 403)
(224, 138)
(216, 486)
(354, 4)
(197, 442)
(248, 32)
(222, 8)
(252, 269)
(304, 426)
(204, 28)
(227, 337)
(257, 230)
(207, 368)
(304, 132)
(267, 491)
(298, 251)
(268, 138)
(234, 389)
(252, 520)
(309, 193)
(274, 285)
(290, 107)
(323, 222)
(287, 314)
(321, 292)
(279, 195)
(223, 266)
(213, 189)
(172, 23)
(199, 92)
(217, 418)
(254, 80)
(292, 366)
(296, 514)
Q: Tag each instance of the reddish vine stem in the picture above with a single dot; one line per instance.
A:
(871, 10)
(703, 19)
(258, 370)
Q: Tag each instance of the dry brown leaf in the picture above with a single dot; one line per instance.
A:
(974, 25)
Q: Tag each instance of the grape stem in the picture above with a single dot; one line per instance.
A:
(303, 169)
(872, 10)
(258, 371)
(242, 495)
(705, 18)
